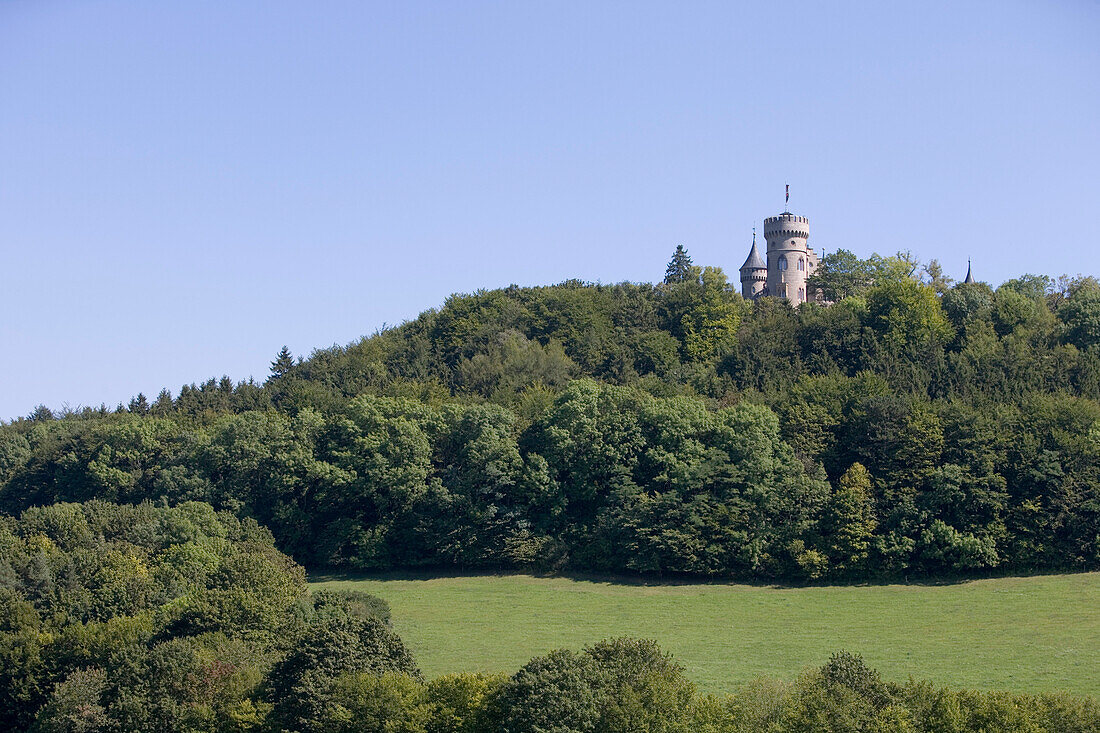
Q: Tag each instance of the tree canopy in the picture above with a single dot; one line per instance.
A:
(912, 427)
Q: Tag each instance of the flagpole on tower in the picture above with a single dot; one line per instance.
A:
(787, 201)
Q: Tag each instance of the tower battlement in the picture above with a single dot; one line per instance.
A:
(786, 225)
(785, 217)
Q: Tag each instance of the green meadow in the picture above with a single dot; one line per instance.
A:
(1030, 634)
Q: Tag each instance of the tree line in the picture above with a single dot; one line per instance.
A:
(912, 427)
(154, 618)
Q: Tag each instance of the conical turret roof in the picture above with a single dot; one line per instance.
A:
(969, 277)
(754, 261)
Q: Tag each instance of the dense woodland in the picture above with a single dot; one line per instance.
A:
(913, 427)
(163, 619)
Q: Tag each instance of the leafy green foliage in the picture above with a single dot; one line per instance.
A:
(75, 705)
(562, 691)
(630, 685)
(645, 690)
(848, 521)
(331, 663)
(702, 310)
(908, 314)
(668, 429)
(146, 617)
(1080, 313)
(339, 642)
(841, 274)
(910, 427)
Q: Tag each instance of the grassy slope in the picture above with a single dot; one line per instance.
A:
(1026, 634)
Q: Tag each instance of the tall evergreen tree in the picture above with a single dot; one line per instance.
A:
(139, 405)
(849, 523)
(41, 414)
(163, 405)
(679, 267)
(282, 364)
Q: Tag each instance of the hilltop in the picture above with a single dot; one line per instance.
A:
(911, 428)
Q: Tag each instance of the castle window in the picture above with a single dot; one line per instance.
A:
(783, 290)
(783, 263)
(801, 264)
(801, 294)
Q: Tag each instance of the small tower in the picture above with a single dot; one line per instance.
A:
(790, 260)
(969, 277)
(754, 273)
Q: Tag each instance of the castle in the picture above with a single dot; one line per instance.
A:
(790, 261)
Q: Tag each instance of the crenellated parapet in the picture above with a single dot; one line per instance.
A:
(786, 226)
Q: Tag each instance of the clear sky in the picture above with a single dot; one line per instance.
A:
(187, 186)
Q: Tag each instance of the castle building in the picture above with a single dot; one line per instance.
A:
(790, 261)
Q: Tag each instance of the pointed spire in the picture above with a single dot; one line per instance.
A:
(754, 260)
(969, 277)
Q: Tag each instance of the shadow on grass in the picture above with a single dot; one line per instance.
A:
(642, 580)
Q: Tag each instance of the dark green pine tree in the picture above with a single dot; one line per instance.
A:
(41, 414)
(139, 405)
(679, 267)
(164, 405)
(282, 364)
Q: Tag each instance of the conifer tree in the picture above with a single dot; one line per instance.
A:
(164, 405)
(41, 414)
(849, 520)
(282, 364)
(139, 405)
(679, 267)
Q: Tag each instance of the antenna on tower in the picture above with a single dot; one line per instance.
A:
(787, 201)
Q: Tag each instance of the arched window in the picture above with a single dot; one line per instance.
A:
(801, 293)
(782, 262)
(801, 264)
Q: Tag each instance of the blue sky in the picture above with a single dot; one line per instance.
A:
(187, 186)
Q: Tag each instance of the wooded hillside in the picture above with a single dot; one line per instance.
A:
(913, 427)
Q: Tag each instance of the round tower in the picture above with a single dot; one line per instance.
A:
(754, 273)
(790, 260)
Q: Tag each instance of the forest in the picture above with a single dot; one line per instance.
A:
(911, 428)
(152, 618)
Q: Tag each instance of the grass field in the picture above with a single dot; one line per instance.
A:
(1025, 634)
